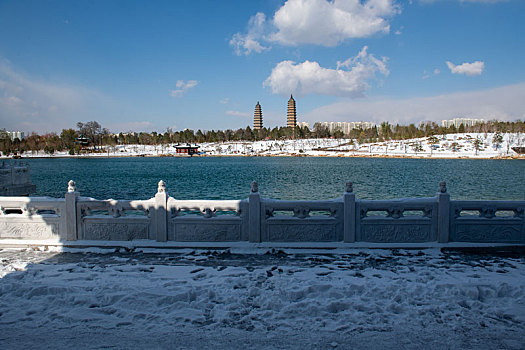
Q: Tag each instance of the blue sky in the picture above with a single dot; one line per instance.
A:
(150, 65)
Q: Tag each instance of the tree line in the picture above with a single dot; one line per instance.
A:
(92, 137)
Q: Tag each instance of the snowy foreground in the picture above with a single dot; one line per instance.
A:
(366, 299)
(448, 146)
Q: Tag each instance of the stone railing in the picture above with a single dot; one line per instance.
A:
(15, 180)
(255, 219)
(32, 218)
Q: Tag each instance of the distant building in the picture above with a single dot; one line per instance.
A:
(303, 125)
(16, 135)
(257, 117)
(345, 127)
(461, 121)
(131, 133)
(82, 141)
(291, 121)
(425, 123)
(186, 149)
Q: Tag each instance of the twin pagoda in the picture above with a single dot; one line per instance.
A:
(291, 120)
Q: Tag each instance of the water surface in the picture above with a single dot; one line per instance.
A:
(279, 177)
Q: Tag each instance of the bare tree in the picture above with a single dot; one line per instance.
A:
(92, 131)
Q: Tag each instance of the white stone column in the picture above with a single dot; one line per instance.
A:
(443, 213)
(254, 216)
(71, 212)
(349, 221)
(161, 216)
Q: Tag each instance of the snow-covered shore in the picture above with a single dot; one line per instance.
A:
(367, 299)
(448, 146)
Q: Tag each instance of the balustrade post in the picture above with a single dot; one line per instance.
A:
(254, 217)
(71, 212)
(349, 220)
(161, 216)
(443, 213)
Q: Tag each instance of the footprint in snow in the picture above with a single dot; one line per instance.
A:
(324, 273)
(200, 276)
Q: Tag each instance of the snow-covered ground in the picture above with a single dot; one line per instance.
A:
(448, 146)
(368, 299)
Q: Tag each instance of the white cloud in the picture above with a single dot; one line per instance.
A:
(349, 79)
(503, 103)
(427, 75)
(318, 22)
(32, 104)
(183, 87)
(399, 31)
(238, 114)
(249, 42)
(470, 69)
(13, 100)
(224, 100)
(325, 23)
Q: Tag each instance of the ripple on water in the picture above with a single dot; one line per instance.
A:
(279, 177)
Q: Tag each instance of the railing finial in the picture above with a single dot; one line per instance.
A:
(71, 186)
(255, 187)
(162, 187)
(443, 187)
(349, 188)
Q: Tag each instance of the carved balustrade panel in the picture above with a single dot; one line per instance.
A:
(211, 230)
(207, 220)
(21, 176)
(114, 230)
(119, 220)
(487, 221)
(301, 221)
(399, 232)
(31, 218)
(397, 221)
(308, 230)
(5, 177)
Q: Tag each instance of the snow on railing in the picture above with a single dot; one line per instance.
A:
(255, 219)
(32, 217)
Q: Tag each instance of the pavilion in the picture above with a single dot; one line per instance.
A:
(186, 149)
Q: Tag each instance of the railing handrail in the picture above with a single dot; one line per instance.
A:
(494, 203)
(416, 200)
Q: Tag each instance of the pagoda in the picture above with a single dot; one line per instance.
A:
(257, 117)
(292, 114)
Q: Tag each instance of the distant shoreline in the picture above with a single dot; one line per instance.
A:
(450, 146)
(92, 156)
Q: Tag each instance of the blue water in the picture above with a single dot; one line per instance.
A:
(279, 177)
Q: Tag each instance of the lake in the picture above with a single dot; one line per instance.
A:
(279, 177)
